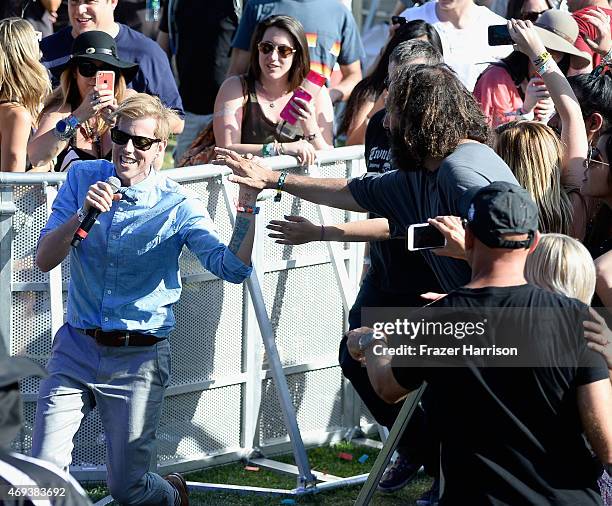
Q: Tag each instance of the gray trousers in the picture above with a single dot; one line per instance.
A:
(127, 384)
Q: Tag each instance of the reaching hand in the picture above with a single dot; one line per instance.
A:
(454, 233)
(526, 38)
(249, 173)
(601, 21)
(296, 230)
(599, 336)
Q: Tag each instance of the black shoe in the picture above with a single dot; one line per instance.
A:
(431, 497)
(398, 474)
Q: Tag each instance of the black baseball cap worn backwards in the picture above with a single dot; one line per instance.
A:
(502, 208)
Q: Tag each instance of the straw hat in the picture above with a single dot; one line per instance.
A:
(558, 31)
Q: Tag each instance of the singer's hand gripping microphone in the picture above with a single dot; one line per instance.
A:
(92, 215)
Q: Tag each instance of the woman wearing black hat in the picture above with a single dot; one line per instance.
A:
(76, 119)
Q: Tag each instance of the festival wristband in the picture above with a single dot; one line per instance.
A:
(279, 186)
(247, 209)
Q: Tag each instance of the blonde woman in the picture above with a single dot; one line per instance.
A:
(534, 154)
(76, 119)
(24, 83)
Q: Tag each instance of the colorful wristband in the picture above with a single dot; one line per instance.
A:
(247, 209)
(279, 186)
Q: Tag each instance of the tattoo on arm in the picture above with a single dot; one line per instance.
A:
(241, 228)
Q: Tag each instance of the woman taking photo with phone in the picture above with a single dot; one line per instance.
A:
(248, 108)
(511, 89)
(23, 85)
(75, 122)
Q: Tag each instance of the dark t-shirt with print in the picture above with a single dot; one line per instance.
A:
(394, 269)
(405, 198)
(514, 435)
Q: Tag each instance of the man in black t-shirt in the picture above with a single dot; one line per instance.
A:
(199, 34)
(508, 435)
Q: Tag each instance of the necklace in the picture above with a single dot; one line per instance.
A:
(271, 103)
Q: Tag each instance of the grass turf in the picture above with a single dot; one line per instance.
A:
(324, 459)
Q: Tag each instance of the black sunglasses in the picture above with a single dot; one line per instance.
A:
(89, 69)
(532, 16)
(121, 138)
(268, 47)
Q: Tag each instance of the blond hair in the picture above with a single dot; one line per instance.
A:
(67, 94)
(561, 264)
(23, 79)
(142, 105)
(533, 153)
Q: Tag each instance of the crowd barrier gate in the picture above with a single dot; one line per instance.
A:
(222, 404)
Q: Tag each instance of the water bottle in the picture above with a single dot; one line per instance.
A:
(152, 11)
(309, 88)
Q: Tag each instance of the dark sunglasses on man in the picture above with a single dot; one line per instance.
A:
(89, 69)
(142, 143)
(283, 50)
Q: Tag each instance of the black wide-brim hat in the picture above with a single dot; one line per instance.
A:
(98, 46)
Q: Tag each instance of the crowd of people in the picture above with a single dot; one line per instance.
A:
(502, 146)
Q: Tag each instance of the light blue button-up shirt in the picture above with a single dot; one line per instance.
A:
(125, 274)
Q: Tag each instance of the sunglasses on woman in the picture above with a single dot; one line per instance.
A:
(283, 50)
(593, 157)
(121, 138)
(532, 16)
(89, 69)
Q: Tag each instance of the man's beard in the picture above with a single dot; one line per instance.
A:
(402, 157)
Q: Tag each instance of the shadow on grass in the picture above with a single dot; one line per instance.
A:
(323, 459)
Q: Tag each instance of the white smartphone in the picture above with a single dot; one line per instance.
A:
(424, 236)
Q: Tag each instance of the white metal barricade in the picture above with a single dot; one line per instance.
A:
(223, 403)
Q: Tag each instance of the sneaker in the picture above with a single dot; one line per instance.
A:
(431, 497)
(398, 474)
(179, 483)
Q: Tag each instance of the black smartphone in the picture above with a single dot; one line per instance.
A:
(424, 236)
(499, 36)
(398, 20)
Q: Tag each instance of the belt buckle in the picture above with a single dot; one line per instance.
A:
(127, 338)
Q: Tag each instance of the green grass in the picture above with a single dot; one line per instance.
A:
(324, 459)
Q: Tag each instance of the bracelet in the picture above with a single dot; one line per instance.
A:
(310, 137)
(539, 60)
(322, 238)
(607, 58)
(247, 209)
(268, 150)
(279, 187)
(281, 148)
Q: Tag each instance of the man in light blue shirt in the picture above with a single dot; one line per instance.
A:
(113, 351)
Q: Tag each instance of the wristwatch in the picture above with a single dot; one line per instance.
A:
(366, 340)
(66, 128)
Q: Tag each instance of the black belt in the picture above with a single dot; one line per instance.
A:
(121, 338)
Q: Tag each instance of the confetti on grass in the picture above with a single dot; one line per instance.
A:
(363, 458)
(345, 456)
(251, 468)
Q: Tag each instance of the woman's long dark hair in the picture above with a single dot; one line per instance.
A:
(371, 86)
(301, 59)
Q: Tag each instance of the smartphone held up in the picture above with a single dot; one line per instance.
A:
(424, 236)
(499, 35)
(105, 80)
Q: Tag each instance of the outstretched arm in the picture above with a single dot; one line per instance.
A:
(299, 230)
(332, 192)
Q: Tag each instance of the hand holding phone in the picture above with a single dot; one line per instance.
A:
(424, 236)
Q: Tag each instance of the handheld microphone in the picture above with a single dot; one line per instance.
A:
(92, 216)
